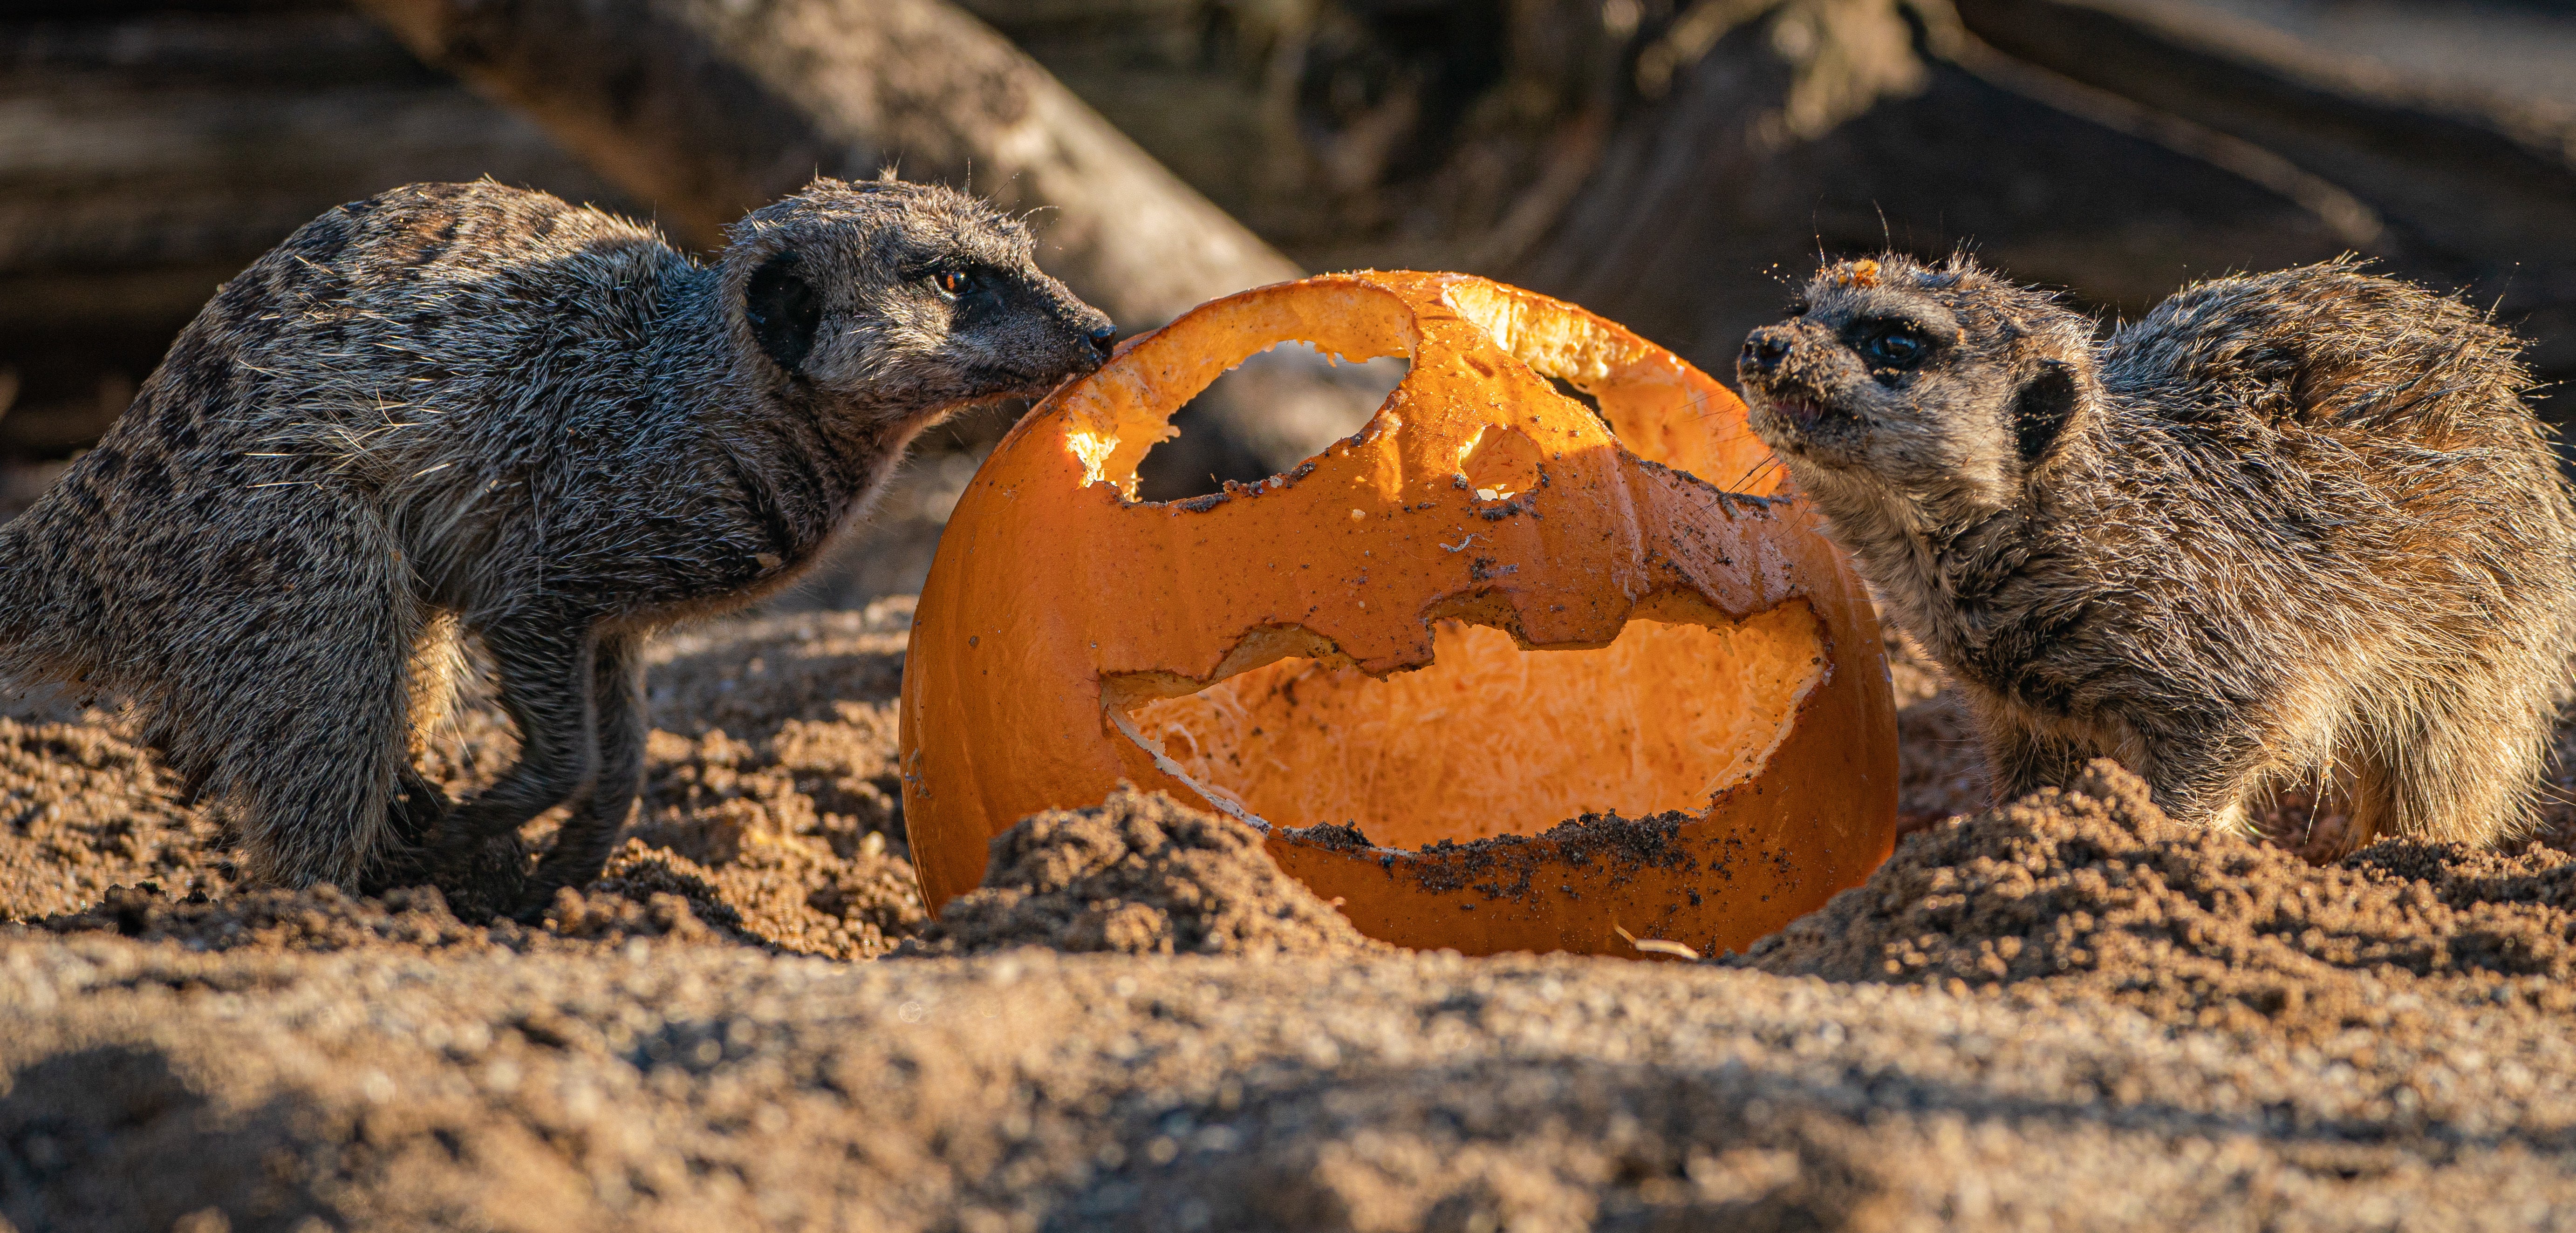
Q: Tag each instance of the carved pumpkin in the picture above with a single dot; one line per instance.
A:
(1492, 610)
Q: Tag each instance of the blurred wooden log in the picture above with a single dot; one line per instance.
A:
(2476, 188)
(709, 108)
(146, 156)
(1668, 161)
(1795, 127)
(1427, 133)
(2453, 172)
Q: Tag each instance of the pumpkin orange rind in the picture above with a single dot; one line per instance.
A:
(1480, 496)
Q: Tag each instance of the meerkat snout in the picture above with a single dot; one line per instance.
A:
(1764, 349)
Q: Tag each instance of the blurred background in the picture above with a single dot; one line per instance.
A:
(1669, 163)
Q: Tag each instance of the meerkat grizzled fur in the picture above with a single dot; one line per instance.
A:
(466, 408)
(2295, 529)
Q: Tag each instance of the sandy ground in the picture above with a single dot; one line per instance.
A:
(2067, 1013)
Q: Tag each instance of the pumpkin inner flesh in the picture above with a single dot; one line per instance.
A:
(1491, 739)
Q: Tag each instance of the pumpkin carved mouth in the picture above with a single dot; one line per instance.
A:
(1488, 739)
(1492, 609)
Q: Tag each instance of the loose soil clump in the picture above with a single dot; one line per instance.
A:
(2092, 890)
(1139, 874)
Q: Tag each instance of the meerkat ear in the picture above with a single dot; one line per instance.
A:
(2041, 409)
(783, 310)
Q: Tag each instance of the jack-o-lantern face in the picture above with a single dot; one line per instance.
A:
(1492, 610)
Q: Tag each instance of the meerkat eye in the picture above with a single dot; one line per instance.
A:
(1901, 346)
(953, 283)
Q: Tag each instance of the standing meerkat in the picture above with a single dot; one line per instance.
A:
(466, 407)
(2289, 529)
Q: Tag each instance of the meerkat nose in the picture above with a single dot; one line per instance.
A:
(1102, 337)
(1764, 350)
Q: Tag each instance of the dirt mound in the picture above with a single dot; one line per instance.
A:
(770, 815)
(2067, 1014)
(318, 920)
(793, 835)
(2093, 890)
(642, 897)
(692, 1087)
(1940, 764)
(1139, 874)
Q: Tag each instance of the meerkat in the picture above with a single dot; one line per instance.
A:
(472, 409)
(2295, 529)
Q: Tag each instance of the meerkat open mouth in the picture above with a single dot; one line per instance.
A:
(1800, 416)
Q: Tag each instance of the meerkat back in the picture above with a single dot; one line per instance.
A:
(230, 519)
(333, 359)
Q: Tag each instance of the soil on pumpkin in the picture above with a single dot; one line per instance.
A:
(1139, 874)
(1507, 866)
(2065, 1013)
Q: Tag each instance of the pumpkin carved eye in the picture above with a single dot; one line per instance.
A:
(1427, 647)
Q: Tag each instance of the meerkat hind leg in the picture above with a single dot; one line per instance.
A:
(291, 701)
(544, 667)
(414, 814)
(582, 847)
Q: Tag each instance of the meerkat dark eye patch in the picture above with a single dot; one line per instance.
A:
(2041, 409)
(783, 310)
